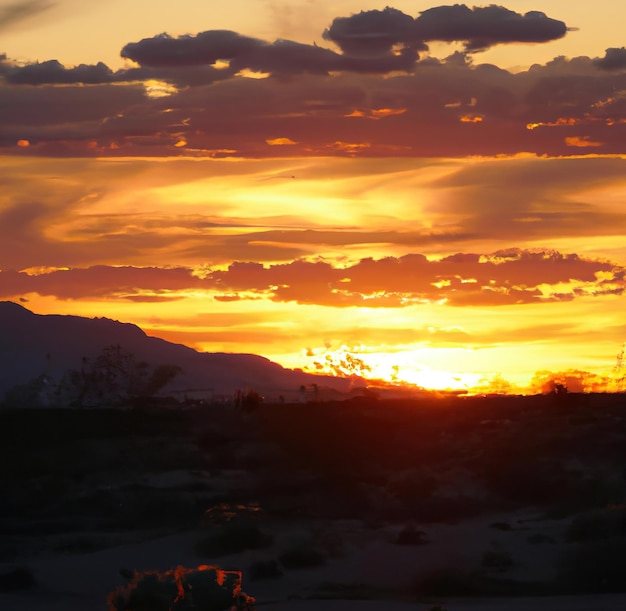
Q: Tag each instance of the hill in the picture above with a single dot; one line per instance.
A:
(34, 346)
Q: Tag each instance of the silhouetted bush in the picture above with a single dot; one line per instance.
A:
(505, 526)
(448, 510)
(594, 567)
(207, 588)
(538, 539)
(264, 569)
(18, 578)
(302, 557)
(497, 560)
(233, 538)
(410, 535)
(448, 582)
(596, 525)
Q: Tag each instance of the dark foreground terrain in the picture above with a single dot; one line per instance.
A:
(453, 501)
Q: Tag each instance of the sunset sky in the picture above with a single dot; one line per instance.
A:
(439, 190)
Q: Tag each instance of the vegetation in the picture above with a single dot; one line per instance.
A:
(16, 578)
(233, 538)
(208, 588)
(84, 478)
(302, 556)
(113, 377)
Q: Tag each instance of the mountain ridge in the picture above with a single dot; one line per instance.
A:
(50, 345)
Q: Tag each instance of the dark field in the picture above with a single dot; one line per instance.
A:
(454, 497)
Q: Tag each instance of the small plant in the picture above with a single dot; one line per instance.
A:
(19, 578)
(539, 539)
(504, 526)
(264, 569)
(180, 589)
(448, 582)
(410, 535)
(497, 560)
(233, 538)
(302, 557)
(596, 566)
(597, 525)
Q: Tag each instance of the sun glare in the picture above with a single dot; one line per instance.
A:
(409, 369)
(397, 368)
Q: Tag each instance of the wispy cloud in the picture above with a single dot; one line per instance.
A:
(16, 12)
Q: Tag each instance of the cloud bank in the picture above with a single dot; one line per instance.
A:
(374, 91)
(511, 277)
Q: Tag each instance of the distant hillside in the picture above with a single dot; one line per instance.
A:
(32, 345)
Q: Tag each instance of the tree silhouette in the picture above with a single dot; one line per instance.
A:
(115, 377)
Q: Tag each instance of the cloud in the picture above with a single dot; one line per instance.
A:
(53, 72)
(546, 202)
(282, 57)
(510, 277)
(371, 33)
(203, 48)
(133, 283)
(16, 12)
(318, 96)
(83, 212)
(614, 59)
(483, 27)
(532, 111)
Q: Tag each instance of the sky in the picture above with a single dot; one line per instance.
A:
(418, 192)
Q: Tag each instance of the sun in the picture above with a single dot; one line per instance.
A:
(397, 368)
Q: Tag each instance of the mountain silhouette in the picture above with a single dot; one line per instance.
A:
(32, 345)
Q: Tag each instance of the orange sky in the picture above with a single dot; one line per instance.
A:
(368, 194)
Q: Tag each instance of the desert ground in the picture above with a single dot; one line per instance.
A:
(456, 503)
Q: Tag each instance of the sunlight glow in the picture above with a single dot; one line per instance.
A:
(400, 368)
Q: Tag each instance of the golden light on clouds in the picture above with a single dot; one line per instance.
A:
(471, 119)
(280, 142)
(441, 213)
(582, 142)
(159, 89)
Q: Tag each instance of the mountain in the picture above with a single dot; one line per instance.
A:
(34, 345)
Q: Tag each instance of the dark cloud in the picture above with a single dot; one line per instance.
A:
(483, 27)
(503, 278)
(614, 59)
(279, 57)
(372, 32)
(288, 57)
(323, 101)
(53, 72)
(201, 49)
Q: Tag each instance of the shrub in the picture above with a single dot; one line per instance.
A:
(497, 560)
(539, 539)
(233, 538)
(594, 567)
(505, 526)
(448, 582)
(207, 587)
(264, 569)
(410, 535)
(18, 578)
(302, 557)
(595, 525)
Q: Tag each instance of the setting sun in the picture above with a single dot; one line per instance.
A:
(442, 203)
